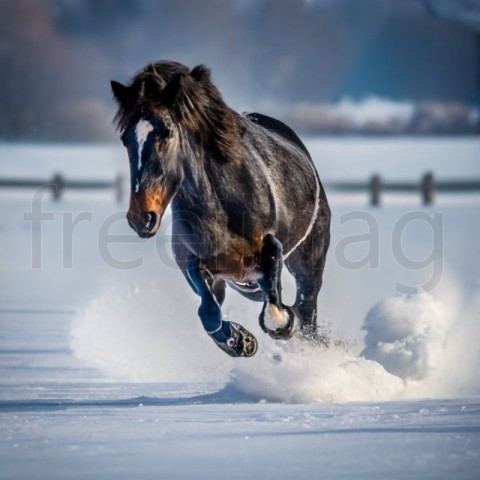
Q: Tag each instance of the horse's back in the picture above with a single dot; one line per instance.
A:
(278, 127)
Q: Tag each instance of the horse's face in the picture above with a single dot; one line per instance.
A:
(154, 172)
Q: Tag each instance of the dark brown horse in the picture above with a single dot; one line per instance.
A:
(245, 199)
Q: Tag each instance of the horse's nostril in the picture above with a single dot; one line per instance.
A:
(151, 221)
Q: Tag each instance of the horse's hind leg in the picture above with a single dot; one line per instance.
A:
(231, 337)
(276, 319)
(306, 264)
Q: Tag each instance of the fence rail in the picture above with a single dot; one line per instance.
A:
(58, 184)
(427, 187)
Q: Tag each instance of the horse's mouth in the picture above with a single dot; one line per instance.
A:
(146, 229)
(145, 233)
(148, 232)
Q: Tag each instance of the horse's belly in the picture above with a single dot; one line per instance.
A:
(238, 263)
(234, 269)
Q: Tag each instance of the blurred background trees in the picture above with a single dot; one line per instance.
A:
(278, 56)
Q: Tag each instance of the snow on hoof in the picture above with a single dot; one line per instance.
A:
(278, 323)
(241, 344)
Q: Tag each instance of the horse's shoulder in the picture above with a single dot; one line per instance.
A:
(277, 127)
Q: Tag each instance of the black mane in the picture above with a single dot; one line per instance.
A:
(192, 100)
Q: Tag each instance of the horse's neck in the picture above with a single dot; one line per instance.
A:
(199, 187)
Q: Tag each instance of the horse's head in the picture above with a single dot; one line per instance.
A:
(151, 138)
(167, 110)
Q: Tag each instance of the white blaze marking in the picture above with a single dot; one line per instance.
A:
(143, 128)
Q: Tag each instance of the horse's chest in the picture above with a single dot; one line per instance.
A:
(222, 252)
(230, 256)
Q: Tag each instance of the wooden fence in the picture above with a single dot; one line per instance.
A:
(427, 187)
(58, 184)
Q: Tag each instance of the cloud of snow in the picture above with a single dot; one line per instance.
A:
(407, 334)
(295, 372)
(144, 334)
(415, 346)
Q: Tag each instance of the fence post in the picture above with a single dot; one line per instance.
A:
(119, 192)
(428, 188)
(58, 184)
(375, 189)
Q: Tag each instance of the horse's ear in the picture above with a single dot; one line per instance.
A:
(120, 91)
(170, 92)
(200, 73)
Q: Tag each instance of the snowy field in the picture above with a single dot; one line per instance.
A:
(105, 371)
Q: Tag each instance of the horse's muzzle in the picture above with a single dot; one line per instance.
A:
(146, 224)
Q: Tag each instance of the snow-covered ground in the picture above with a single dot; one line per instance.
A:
(105, 371)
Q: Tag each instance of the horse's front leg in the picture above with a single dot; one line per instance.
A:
(231, 337)
(276, 319)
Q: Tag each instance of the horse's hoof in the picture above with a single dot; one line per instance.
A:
(241, 344)
(287, 316)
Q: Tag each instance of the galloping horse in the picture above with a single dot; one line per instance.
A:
(244, 193)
